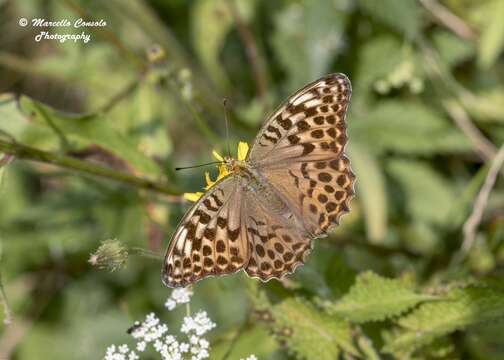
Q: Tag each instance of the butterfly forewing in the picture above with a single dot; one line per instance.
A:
(310, 125)
(209, 240)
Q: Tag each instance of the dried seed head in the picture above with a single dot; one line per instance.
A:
(111, 255)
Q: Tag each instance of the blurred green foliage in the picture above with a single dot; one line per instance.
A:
(425, 121)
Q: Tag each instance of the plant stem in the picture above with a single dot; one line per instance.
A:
(448, 19)
(202, 125)
(252, 53)
(145, 253)
(26, 152)
(481, 201)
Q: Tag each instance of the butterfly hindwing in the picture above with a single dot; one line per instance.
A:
(319, 192)
(277, 243)
(209, 240)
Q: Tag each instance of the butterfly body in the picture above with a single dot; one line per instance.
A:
(293, 185)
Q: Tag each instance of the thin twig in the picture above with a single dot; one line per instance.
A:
(449, 20)
(247, 38)
(3, 296)
(481, 144)
(26, 152)
(25, 66)
(474, 219)
(456, 95)
(5, 304)
(137, 251)
(202, 125)
(65, 144)
(235, 338)
(121, 95)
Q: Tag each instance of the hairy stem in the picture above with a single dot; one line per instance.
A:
(145, 253)
(29, 153)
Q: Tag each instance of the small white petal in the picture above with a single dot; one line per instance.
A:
(204, 343)
(184, 347)
(111, 349)
(170, 304)
(158, 345)
(194, 339)
(169, 339)
(141, 346)
(133, 356)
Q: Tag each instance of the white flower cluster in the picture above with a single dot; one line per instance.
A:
(154, 333)
(151, 331)
(199, 324)
(178, 296)
(251, 357)
(122, 352)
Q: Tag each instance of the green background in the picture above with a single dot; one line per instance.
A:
(425, 121)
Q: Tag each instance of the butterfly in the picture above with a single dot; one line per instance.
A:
(293, 185)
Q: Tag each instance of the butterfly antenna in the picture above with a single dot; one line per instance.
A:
(224, 103)
(197, 166)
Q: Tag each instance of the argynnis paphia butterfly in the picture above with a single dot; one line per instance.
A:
(294, 183)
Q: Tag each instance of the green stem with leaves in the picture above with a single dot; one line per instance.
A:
(26, 152)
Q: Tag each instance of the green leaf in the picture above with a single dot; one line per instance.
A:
(485, 105)
(307, 38)
(451, 48)
(310, 333)
(257, 297)
(255, 340)
(74, 338)
(458, 309)
(339, 276)
(86, 130)
(371, 190)
(375, 62)
(146, 111)
(367, 348)
(492, 34)
(374, 298)
(12, 120)
(421, 238)
(485, 341)
(211, 22)
(428, 195)
(408, 128)
(403, 15)
(465, 200)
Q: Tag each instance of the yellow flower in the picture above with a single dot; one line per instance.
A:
(193, 196)
(243, 149)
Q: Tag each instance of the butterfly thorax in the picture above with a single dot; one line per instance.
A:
(253, 181)
(234, 166)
